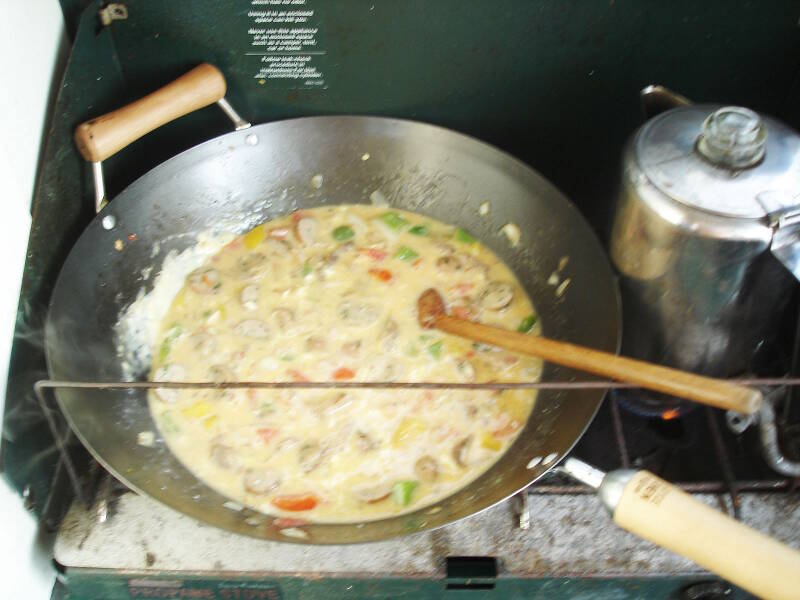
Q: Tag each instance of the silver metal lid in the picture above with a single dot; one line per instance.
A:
(728, 161)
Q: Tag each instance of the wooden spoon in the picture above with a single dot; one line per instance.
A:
(432, 314)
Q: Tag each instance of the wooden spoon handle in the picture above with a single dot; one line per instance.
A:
(706, 390)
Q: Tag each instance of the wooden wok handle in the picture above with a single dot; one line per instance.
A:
(660, 512)
(101, 137)
(706, 390)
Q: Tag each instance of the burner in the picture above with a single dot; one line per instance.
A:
(645, 403)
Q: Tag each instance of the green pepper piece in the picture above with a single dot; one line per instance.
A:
(173, 333)
(168, 424)
(406, 253)
(393, 220)
(164, 351)
(411, 350)
(527, 323)
(462, 235)
(343, 233)
(435, 349)
(403, 490)
(419, 230)
(307, 269)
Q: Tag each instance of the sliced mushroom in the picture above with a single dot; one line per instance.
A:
(252, 328)
(372, 492)
(465, 369)
(310, 456)
(352, 348)
(173, 372)
(426, 468)
(220, 373)
(251, 265)
(340, 251)
(391, 371)
(287, 444)
(333, 404)
(225, 457)
(389, 334)
(461, 451)
(315, 343)
(365, 442)
(475, 267)
(450, 263)
(261, 481)
(443, 246)
(471, 409)
(249, 297)
(277, 248)
(203, 342)
(358, 314)
(205, 280)
(307, 229)
(283, 318)
(497, 295)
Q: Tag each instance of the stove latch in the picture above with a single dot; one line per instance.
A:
(470, 572)
(116, 11)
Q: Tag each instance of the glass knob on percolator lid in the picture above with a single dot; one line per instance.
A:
(733, 137)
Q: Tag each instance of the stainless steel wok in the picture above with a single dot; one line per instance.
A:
(235, 181)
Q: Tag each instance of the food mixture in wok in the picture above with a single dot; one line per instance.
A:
(330, 294)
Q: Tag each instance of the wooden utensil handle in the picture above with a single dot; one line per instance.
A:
(706, 390)
(101, 137)
(660, 512)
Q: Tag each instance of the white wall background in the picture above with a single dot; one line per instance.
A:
(32, 47)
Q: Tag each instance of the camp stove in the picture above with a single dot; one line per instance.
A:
(482, 76)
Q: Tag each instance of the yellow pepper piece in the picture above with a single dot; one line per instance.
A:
(254, 237)
(198, 410)
(407, 431)
(210, 421)
(180, 299)
(516, 403)
(490, 442)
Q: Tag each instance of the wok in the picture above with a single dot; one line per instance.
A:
(240, 179)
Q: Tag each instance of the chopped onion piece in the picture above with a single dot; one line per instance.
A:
(512, 233)
(294, 532)
(378, 199)
(146, 438)
(563, 287)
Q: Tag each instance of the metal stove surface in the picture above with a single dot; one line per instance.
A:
(569, 535)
